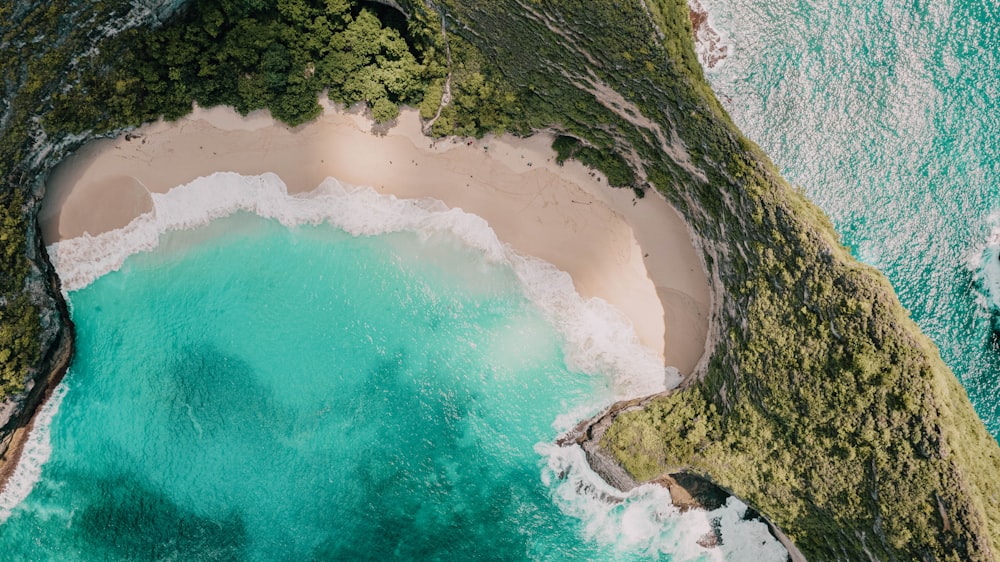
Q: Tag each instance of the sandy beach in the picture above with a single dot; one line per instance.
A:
(635, 254)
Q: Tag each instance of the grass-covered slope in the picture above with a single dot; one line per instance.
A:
(822, 404)
(73, 70)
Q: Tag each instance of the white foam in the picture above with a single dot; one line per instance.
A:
(36, 452)
(983, 260)
(711, 44)
(646, 521)
(598, 338)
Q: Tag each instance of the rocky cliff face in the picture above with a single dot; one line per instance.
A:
(157, 10)
(78, 27)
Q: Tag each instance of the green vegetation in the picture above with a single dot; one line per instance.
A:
(279, 55)
(481, 103)
(822, 405)
(31, 67)
(19, 345)
(250, 55)
(613, 166)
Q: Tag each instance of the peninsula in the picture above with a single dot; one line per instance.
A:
(818, 401)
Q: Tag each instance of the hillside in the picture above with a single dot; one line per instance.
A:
(819, 402)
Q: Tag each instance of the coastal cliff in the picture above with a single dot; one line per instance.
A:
(818, 401)
(39, 40)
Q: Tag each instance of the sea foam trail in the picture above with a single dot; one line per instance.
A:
(597, 339)
(645, 520)
(34, 455)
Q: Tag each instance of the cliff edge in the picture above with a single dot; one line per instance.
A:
(818, 402)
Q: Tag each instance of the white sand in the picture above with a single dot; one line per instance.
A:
(637, 255)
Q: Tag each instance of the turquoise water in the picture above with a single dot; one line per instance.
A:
(886, 113)
(253, 391)
(292, 395)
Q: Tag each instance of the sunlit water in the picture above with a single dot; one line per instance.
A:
(354, 377)
(887, 114)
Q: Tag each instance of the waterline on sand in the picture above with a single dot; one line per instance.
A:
(595, 338)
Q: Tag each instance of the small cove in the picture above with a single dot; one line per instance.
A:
(255, 390)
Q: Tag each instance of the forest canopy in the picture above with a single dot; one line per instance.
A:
(253, 54)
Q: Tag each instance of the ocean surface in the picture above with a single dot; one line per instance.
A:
(887, 114)
(344, 376)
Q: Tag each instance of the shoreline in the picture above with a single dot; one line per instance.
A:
(688, 489)
(635, 254)
(58, 366)
(712, 51)
(649, 270)
(11, 458)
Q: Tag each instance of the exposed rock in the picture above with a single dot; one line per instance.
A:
(713, 538)
(42, 285)
(588, 436)
(161, 10)
(708, 42)
(690, 491)
(392, 4)
(18, 410)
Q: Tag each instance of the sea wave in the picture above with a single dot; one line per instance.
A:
(597, 337)
(710, 44)
(35, 454)
(983, 260)
(645, 520)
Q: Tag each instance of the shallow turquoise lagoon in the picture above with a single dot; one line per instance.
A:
(297, 394)
(250, 391)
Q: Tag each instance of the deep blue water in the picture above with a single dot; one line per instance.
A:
(887, 114)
